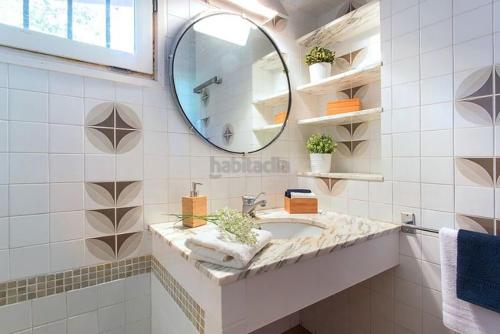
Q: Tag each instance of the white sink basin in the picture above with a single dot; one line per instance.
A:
(291, 229)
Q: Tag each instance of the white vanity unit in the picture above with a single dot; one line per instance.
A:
(288, 275)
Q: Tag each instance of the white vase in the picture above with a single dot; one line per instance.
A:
(319, 71)
(321, 162)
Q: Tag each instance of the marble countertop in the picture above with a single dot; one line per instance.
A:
(340, 231)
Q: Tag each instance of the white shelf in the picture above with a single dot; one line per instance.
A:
(268, 128)
(344, 176)
(356, 22)
(353, 78)
(273, 100)
(345, 118)
(271, 62)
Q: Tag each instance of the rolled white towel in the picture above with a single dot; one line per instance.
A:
(302, 195)
(210, 246)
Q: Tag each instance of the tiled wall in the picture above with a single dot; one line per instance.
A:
(439, 146)
(87, 164)
(122, 306)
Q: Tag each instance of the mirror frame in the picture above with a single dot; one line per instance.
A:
(173, 90)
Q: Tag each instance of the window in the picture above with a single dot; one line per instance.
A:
(116, 33)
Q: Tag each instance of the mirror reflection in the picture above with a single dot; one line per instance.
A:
(230, 82)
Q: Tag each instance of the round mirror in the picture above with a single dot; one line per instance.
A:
(230, 82)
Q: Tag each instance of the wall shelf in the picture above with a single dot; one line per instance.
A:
(353, 78)
(331, 178)
(271, 62)
(273, 100)
(268, 128)
(356, 22)
(345, 118)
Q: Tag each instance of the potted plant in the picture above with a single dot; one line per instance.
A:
(320, 148)
(320, 61)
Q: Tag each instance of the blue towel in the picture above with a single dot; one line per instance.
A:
(288, 192)
(478, 269)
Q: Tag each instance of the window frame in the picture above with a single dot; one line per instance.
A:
(140, 61)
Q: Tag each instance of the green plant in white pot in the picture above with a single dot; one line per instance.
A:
(320, 61)
(320, 149)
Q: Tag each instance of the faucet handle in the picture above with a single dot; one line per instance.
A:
(250, 199)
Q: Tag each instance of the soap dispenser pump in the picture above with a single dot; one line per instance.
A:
(194, 205)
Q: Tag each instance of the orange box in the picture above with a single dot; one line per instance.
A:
(280, 117)
(343, 106)
(301, 205)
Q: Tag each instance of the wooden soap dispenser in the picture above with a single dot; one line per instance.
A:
(194, 205)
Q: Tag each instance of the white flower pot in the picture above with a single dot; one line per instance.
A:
(321, 163)
(319, 71)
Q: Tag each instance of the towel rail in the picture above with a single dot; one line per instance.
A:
(409, 226)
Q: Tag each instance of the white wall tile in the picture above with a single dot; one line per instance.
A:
(437, 219)
(405, 46)
(436, 36)
(66, 167)
(128, 93)
(406, 95)
(406, 169)
(437, 170)
(406, 70)
(4, 104)
(4, 136)
(65, 84)
(66, 109)
(4, 75)
(111, 293)
(437, 116)
(474, 141)
(436, 63)
(433, 11)
(85, 323)
(15, 317)
(28, 137)
(99, 167)
(66, 226)
(111, 317)
(406, 193)
(56, 327)
(430, 249)
(66, 139)
(406, 144)
(437, 197)
(473, 54)
(437, 90)
(49, 309)
(29, 261)
(155, 143)
(28, 199)
(474, 201)
(66, 197)
(460, 6)
(99, 89)
(28, 106)
(472, 24)
(82, 301)
(437, 143)
(406, 120)
(29, 230)
(28, 78)
(4, 266)
(29, 168)
(431, 275)
(405, 21)
(4, 201)
(66, 255)
(4, 233)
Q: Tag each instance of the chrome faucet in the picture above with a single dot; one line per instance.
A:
(250, 204)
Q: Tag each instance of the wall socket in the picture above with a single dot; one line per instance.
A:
(408, 218)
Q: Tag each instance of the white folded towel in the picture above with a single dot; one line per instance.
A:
(302, 195)
(459, 315)
(210, 246)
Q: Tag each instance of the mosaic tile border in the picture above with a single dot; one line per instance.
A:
(20, 290)
(188, 305)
